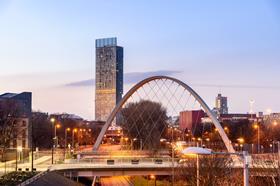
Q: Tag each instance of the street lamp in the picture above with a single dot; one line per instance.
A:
(55, 140)
(203, 151)
(126, 139)
(278, 151)
(52, 121)
(226, 129)
(136, 139)
(153, 177)
(172, 148)
(65, 141)
(57, 126)
(241, 142)
(271, 147)
(257, 127)
(73, 133)
(199, 140)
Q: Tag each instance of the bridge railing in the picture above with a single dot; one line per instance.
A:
(125, 160)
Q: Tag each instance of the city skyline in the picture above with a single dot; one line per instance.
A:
(216, 50)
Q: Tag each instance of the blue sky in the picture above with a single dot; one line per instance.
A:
(47, 45)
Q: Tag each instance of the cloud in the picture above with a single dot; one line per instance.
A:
(132, 77)
(82, 83)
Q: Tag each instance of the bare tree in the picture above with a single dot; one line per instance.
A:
(42, 130)
(266, 170)
(9, 113)
(146, 121)
(213, 170)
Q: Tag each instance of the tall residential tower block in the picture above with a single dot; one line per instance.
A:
(109, 77)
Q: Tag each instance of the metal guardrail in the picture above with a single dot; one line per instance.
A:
(135, 160)
(116, 163)
(30, 180)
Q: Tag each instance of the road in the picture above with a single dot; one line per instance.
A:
(116, 181)
(41, 164)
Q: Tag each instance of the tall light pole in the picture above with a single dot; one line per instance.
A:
(172, 143)
(197, 170)
(65, 141)
(134, 139)
(278, 149)
(153, 177)
(257, 127)
(241, 142)
(57, 126)
(52, 121)
(73, 133)
(245, 168)
(32, 146)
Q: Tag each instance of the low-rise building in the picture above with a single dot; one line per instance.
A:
(23, 106)
(237, 116)
(190, 119)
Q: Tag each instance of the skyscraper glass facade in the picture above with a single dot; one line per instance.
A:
(109, 77)
(221, 104)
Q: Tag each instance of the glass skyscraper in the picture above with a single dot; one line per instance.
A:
(221, 104)
(109, 77)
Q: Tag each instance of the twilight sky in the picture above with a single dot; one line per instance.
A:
(232, 47)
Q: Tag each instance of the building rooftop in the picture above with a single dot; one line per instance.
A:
(103, 42)
(8, 95)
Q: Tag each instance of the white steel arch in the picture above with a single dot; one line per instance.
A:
(118, 107)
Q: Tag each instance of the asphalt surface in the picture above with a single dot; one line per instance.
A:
(116, 181)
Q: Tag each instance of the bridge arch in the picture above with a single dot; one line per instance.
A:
(118, 107)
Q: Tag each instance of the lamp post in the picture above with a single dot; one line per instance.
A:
(32, 146)
(199, 140)
(257, 127)
(278, 149)
(55, 139)
(153, 177)
(57, 126)
(78, 137)
(172, 147)
(132, 146)
(73, 133)
(65, 141)
(52, 121)
(203, 151)
(241, 142)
